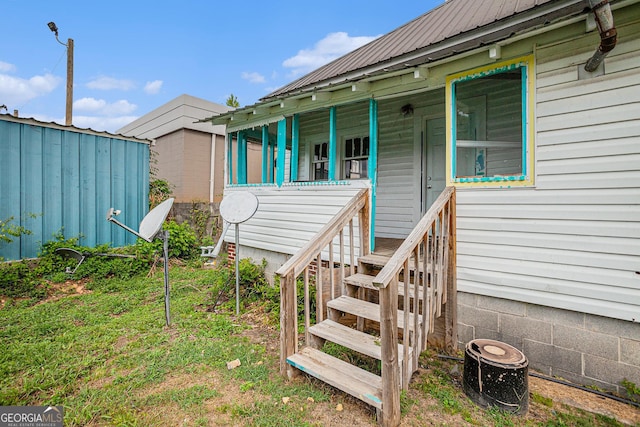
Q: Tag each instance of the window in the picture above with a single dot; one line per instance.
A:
(356, 157)
(320, 162)
(489, 122)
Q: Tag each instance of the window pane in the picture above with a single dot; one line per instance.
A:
(489, 125)
(348, 148)
(355, 169)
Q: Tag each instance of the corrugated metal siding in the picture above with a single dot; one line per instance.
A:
(573, 241)
(289, 216)
(69, 179)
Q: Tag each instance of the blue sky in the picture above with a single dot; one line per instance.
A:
(131, 57)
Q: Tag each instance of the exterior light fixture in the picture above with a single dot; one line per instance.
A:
(69, 45)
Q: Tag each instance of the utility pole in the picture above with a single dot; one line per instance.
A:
(69, 46)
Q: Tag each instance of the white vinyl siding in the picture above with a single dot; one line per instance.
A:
(399, 193)
(288, 217)
(573, 241)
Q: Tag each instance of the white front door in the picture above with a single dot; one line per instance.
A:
(435, 174)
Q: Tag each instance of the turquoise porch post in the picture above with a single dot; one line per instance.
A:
(295, 135)
(272, 157)
(373, 166)
(265, 153)
(230, 157)
(282, 151)
(242, 158)
(332, 144)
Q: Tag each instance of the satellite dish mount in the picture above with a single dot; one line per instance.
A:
(150, 228)
(237, 208)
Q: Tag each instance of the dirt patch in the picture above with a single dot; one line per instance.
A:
(587, 401)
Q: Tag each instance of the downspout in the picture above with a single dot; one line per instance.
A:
(608, 34)
(212, 168)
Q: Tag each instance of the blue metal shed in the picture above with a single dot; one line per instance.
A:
(68, 178)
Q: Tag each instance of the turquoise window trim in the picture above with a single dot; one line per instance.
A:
(454, 126)
(373, 166)
(333, 143)
(295, 138)
(282, 151)
(265, 153)
(523, 177)
(525, 143)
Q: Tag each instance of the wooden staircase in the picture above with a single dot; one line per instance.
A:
(384, 311)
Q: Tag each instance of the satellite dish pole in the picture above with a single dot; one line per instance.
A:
(150, 228)
(236, 208)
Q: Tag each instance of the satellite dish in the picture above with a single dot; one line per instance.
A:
(152, 222)
(238, 207)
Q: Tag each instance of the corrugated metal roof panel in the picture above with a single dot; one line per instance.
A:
(54, 125)
(447, 21)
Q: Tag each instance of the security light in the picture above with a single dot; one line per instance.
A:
(53, 28)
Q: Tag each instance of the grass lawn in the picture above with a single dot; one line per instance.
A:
(102, 350)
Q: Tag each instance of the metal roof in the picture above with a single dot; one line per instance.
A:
(54, 125)
(453, 27)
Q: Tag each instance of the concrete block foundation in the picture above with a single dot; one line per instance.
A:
(579, 347)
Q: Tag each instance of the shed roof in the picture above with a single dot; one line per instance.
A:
(453, 27)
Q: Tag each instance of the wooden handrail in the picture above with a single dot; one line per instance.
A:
(396, 263)
(298, 262)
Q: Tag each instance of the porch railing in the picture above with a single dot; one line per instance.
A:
(425, 266)
(327, 240)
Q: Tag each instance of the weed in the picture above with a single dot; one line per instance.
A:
(546, 401)
(632, 389)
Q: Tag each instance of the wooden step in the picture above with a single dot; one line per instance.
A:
(353, 380)
(367, 310)
(351, 338)
(375, 260)
(366, 281)
(378, 261)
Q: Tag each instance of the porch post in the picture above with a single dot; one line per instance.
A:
(282, 151)
(265, 153)
(242, 158)
(332, 144)
(230, 158)
(373, 166)
(272, 154)
(295, 130)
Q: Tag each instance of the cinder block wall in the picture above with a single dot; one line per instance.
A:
(578, 347)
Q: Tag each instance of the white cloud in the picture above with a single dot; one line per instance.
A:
(89, 104)
(326, 50)
(109, 124)
(103, 108)
(109, 83)
(253, 77)
(153, 87)
(15, 91)
(5, 67)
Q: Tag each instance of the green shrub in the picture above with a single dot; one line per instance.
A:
(182, 242)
